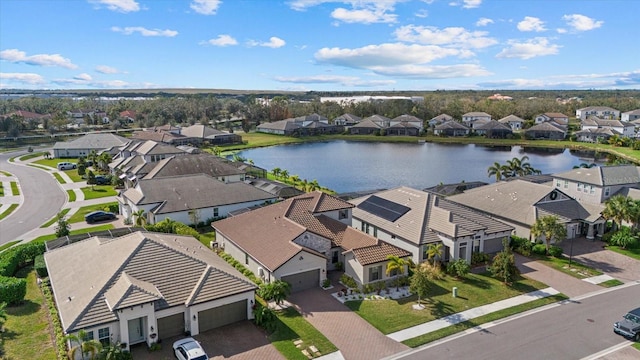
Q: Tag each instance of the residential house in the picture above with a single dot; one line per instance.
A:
(452, 189)
(494, 130)
(557, 118)
(521, 203)
(404, 124)
(282, 127)
(412, 220)
(276, 188)
(597, 184)
(298, 240)
(200, 134)
(623, 128)
(137, 159)
(346, 120)
(83, 145)
(451, 128)
(211, 165)
(189, 199)
(128, 115)
(371, 125)
(28, 116)
(499, 97)
(144, 288)
(440, 119)
(514, 122)
(602, 112)
(545, 130)
(595, 135)
(630, 115)
(471, 117)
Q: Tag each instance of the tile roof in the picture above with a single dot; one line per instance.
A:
(201, 131)
(443, 117)
(510, 118)
(452, 124)
(595, 121)
(348, 117)
(367, 123)
(193, 164)
(476, 114)
(96, 141)
(158, 136)
(91, 277)
(604, 175)
(555, 115)
(151, 147)
(285, 125)
(378, 253)
(546, 126)
(408, 118)
(493, 125)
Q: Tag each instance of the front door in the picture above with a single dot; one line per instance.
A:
(136, 331)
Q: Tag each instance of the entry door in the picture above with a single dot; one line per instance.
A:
(136, 331)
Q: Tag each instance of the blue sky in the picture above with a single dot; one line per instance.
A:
(320, 45)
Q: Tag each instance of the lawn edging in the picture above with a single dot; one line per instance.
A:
(8, 212)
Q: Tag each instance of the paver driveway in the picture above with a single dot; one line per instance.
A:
(355, 337)
(593, 253)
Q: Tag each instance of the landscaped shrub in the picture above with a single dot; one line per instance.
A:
(61, 344)
(623, 238)
(521, 245)
(540, 249)
(555, 251)
(40, 266)
(479, 258)
(459, 268)
(348, 281)
(114, 208)
(19, 256)
(12, 290)
(238, 266)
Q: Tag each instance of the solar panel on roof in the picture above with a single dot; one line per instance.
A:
(383, 208)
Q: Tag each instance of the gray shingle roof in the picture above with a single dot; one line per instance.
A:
(546, 126)
(452, 124)
(93, 141)
(193, 164)
(285, 125)
(604, 175)
(511, 118)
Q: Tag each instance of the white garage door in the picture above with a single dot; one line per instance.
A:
(222, 315)
(303, 281)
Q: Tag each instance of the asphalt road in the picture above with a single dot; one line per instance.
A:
(43, 198)
(573, 330)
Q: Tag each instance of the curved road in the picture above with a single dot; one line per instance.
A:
(42, 195)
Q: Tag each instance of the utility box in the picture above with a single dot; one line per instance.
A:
(455, 292)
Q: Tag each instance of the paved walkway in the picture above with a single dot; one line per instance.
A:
(355, 337)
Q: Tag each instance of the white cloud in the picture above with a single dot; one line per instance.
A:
(104, 69)
(205, 7)
(467, 4)
(531, 23)
(144, 31)
(484, 22)
(360, 11)
(333, 79)
(561, 30)
(274, 42)
(83, 77)
(433, 72)
(629, 79)
(364, 16)
(528, 49)
(453, 36)
(422, 13)
(23, 78)
(582, 23)
(222, 40)
(17, 56)
(124, 6)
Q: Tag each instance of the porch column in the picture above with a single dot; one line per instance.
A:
(590, 232)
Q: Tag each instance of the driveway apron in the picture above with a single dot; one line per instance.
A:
(593, 254)
(355, 337)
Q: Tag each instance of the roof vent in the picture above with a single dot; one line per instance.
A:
(69, 298)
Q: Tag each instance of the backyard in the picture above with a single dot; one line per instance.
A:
(79, 215)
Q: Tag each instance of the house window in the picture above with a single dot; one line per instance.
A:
(343, 214)
(592, 190)
(334, 257)
(375, 273)
(606, 191)
(88, 336)
(579, 186)
(558, 183)
(103, 336)
(375, 231)
(476, 246)
(566, 184)
(215, 212)
(393, 272)
(246, 259)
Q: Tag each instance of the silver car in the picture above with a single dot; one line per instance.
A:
(66, 166)
(189, 349)
(629, 326)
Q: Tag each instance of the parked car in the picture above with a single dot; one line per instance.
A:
(629, 326)
(103, 180)
(99, 216)
(66, 166)
(189, 349)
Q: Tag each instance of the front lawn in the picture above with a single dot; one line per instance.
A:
(98, 191)
(290, 326)
(45, 238)
(629, 251)
(79, 215)
(31, 156)
(477, 289)
(27, 334)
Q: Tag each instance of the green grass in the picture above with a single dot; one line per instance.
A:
(475, 290)
(9, 244)
(636, 345)
(577, 269)
(73, 174)
(14, 188)
(206, 237)
(611, 283)
(5, 173)
(98, 191)
(45, 238)
(453, 329)
(8, 211)
(1, 189)
(27, 334)
(59, 178)
(54, 219)
(290, 326)
(31, 156)
(13, 159)
(53, 162)
(79, 215)
(630, 252)
(72, 195)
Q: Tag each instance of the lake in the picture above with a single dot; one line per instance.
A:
(346, 166)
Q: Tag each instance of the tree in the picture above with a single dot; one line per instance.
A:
(140, 218)
(550, 227)
(617, 209)
(276, 172)
(395, 265)
(276, 291)
(82, 169)
(434, 251)
(91, 179)
(114, 352)
(93, 157)
(63, 226)
(496, 170)
(284, 174)
(3, 314)
(83, 344)
(104, 159)
(504, 265)
(47, 155)
(314, 185)
(420, 284)
(217, 151)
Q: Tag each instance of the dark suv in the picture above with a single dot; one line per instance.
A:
(103, 180)
(629, 326)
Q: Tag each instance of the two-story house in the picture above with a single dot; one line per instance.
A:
(602, 112)
(622, 128)
(630, 115)
(440, 119)
(514, 122)
(451, 128)
(597, 184)
(470, 118)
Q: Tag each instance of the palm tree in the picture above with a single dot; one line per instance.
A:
(276, 172)
(617, 209)
(314, 185)
(434, 251)
(295, 179)
(284, 174)
(395, 264)
(140, 217)
(217, 151)
(496, 170)
(84, 345)
(93, 157)
(104, 159)
(304, 184)
(551, 228)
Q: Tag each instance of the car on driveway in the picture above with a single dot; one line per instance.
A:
(99, 216)
(189, 349)
(629, 326)
(102, 180)
(66, 166)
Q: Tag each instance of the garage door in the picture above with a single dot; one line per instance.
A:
(222, 315)
(303, 281)
(171, 326)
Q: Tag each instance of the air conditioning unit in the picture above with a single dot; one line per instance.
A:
(213, 244)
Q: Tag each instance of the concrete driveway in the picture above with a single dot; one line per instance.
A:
(239, 341)
(355, 337)
(593, 253)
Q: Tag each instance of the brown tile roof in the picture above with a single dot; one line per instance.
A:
(378, 253)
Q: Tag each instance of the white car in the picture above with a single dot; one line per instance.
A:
(189, 349)
(66, 166)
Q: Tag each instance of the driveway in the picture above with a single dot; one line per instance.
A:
(355, 337)
(593, 253)
(239, 341)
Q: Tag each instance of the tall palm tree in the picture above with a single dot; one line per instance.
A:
(104, 159)
(314, 185)
(434, 251)
(551, 228)
(83, 344)
(496, 170)
(140, 217)
(395, 264)
(617, 209)
(276, 172)
(284, 174)
(93, 157)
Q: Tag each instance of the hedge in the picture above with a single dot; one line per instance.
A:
(61, 344)
(19, 256)
(40, 266)
(12, 290)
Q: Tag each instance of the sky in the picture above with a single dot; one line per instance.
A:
(320, 45)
